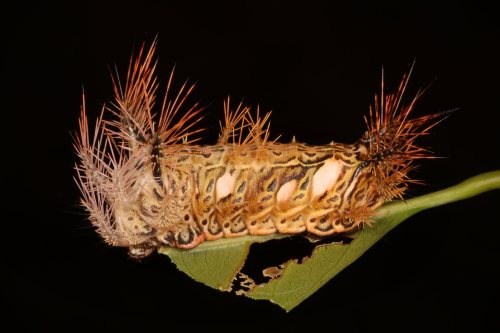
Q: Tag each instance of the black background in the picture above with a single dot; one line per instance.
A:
(317, 66)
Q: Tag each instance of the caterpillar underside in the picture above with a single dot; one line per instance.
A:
(145, 184)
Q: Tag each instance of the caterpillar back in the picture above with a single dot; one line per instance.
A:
(146, 183)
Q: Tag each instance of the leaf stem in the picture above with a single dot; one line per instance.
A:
(468, 188)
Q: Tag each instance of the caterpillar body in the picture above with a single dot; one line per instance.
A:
(146, 184)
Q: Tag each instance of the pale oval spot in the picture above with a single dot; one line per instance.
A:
(224, 186)
(326, 177)
(286, 191)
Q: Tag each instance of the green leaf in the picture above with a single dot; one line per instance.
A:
(217, 263)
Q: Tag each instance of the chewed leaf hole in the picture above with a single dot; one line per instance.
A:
(266, 261)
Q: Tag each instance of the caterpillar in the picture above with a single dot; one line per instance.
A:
(146, 182)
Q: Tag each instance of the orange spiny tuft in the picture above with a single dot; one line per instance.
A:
(234, 123)
(136, 121)
(391, 139)
(242, 128)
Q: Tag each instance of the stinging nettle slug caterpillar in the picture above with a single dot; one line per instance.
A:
(146, 183)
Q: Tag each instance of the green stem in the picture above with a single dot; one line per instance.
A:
(473, 186)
